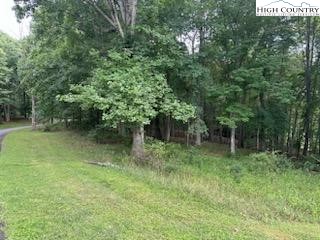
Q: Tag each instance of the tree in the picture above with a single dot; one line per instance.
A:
(129, 89)
(243, 71)
(10, 52)
(310, 32)
(120, 14)
(235, 114)
(4, 77)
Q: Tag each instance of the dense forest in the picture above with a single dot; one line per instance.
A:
(14, 101)
(183, 70)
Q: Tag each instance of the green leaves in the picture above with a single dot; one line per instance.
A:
(250, 78)
(235, 114)
(4, 70)
(198, 126)
(8, 54)
(128, 89)
(178, 110)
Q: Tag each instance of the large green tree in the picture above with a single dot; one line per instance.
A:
(130, 91)
(10, 52)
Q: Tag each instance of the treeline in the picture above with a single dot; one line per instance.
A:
(199, 70)
(14, 101)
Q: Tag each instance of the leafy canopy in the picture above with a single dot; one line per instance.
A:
(129, 89)
(4, 78)
(236, 113)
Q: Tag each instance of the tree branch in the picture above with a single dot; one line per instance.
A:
(101, 12)
(115, 14)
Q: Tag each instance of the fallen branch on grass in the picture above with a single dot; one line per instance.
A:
(104, 164)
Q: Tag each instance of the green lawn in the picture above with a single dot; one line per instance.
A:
(48, 191)
(13, 124)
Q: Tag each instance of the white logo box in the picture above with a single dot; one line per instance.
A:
(287, 8)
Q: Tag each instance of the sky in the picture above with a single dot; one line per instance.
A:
(8, 22)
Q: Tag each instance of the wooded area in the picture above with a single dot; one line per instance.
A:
(159, 120)
(181, 70)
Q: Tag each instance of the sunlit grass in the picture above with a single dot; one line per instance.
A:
(48, 191)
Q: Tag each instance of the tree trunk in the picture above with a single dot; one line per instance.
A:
(317, 140)
(155, 128)
(308, 79)
(220, 134)
(258, 139)
(242, 136)
(319, 136)
(317, 145)
(1, 111)
(121, 15)
(138, 143)
(299, 142)
(34, 120)
(211, 131)
(122, 130)
(294, 131)
(168, 129)
(188, 135)
(289, 131)
(198, 139)
(7, 112)
(25, 105)
(4, 112)
(233, 141)
(173, 129)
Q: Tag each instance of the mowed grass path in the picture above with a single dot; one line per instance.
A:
(48, 191)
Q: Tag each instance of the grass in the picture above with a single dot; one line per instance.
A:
(16, 123)
(48, 191)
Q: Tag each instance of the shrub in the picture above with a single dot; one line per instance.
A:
(162, 156)
(103, 135)
(53, 127)
(283, 163)
(194, 157)
(84, 125)
(156, 153)
(312, 163)
(260, 162)
(192, 153)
